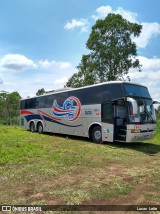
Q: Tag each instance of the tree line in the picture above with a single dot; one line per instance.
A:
(9, 108)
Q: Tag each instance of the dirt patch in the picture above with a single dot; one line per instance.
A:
(134, 198)
(24, 191)
(116, 170)
(78, 178)
(139, 188)
(38, 196)
(55, 201)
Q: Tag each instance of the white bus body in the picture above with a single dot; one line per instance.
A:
(111, 111)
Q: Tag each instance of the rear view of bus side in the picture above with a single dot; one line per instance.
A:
(111, 111)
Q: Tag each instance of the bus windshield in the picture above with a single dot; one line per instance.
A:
(136, 90)
(141, 110)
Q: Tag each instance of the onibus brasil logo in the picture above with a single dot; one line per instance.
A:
(71, 109)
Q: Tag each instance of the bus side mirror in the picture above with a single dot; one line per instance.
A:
(133, 108)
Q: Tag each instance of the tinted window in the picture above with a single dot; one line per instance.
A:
(136, 90)
(107, 112)
(112, 91)
(32, 103)
(49, 101)
(93, 95)
(77, 93)
(40, 101)
(61, 98)
(29, 103)
(26, 104)
(22, 105)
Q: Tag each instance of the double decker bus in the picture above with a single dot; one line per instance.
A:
(110, 111)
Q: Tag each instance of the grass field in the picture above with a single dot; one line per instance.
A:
(52, 169)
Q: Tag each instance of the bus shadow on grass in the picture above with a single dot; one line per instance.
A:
(145, 147)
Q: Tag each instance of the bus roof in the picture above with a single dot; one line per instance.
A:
(57, 91)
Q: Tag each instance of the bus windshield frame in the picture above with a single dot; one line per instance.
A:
(133, 90)
(139, 104)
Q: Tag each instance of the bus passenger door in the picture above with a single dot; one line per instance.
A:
(107, 121)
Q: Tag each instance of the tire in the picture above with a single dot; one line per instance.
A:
(32, 127)
(40, 128)
(97, 134)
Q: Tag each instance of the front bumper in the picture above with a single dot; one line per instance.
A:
(147, 131)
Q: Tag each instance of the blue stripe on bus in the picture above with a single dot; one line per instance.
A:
(36, 116)
(32, 117)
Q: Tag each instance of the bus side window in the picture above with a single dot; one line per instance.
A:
(112, 91)
(40, 101)
(107, 112)
(60, 98)
(78, 94)
(26, 104)
(93, 95)
(49, 101)
(32, 103)
(22, 105)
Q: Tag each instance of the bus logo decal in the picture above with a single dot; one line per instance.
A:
(71, 108)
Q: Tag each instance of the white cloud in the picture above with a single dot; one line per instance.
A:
(57, 72)
(47, 74)
(82, 24)
(130, 16)
(45, 64)
(103, 11)
(54, 75)
(1, 80)
(62, 80)
(64, 65)
(16, 62)
(152, 64)
(149, 30)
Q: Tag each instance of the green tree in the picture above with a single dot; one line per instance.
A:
(158, 112)
(9, 107)
(13, 102)
(40, 92)
(3, 110)
(112, 52)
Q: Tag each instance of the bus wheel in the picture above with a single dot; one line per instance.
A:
(32, 127)
(40, 128)
(97, 134)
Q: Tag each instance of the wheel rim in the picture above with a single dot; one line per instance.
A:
(97, 135)
(40, 129)
(32, 127)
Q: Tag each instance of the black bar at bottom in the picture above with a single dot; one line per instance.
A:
(38, 208)
(102, 208)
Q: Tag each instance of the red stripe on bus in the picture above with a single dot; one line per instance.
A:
(25, 112)
(78, 106)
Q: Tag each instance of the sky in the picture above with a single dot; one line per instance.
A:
(42, 41)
